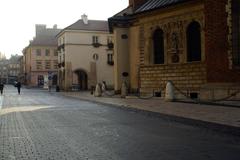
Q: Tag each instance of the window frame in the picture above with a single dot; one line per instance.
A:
(47, 64)
(194, 42)
(47, 52)
(38, 52)
(158, 50)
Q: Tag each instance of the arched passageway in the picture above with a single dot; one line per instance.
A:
(82, 79)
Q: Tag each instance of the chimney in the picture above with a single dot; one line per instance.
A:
(131, 2)
(136, 3)
(85, 19)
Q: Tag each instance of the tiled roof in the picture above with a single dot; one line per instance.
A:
(155, 4)
(120, 18)
(93, 25)
(44, 41)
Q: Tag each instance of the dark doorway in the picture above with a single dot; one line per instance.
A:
(82, 79)
(158, 46)
(54, 80)
(40, 80)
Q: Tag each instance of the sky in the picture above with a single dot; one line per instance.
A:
(18, 18)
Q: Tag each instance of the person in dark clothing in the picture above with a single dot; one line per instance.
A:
(18, 87)
(1, 88)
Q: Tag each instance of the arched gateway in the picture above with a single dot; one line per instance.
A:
(82, 78)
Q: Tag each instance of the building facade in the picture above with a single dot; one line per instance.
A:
(40, 58)
(13, 69)
(4, 71)
(21, 76)
(193, 43)
(85, 55)
(9, 69)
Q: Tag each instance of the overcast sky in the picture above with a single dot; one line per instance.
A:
(18, 17)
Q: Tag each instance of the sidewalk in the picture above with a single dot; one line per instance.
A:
(210, 114)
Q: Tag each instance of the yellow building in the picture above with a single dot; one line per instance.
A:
(192, 43)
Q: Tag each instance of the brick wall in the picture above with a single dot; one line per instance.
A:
(184, 76)
(136, 3)
(216, 32)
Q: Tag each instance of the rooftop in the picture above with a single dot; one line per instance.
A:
(156, 4)
(92, 25)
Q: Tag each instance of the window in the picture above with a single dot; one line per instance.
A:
(158, 46)
(55, 52)
(47, 52)
(47, 64)
(109, 43)
(95, 39)
(109, 39)
(110, 58)
(39, 65)
(38, 51)
(194, 42)
(55, 64)
(236, 31)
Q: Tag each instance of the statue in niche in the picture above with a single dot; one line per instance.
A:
(175, 43)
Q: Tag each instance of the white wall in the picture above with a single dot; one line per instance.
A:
(79, 51)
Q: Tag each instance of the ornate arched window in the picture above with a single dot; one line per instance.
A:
(158, 46)
(194, 42)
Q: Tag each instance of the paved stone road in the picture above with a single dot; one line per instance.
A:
(40, 125)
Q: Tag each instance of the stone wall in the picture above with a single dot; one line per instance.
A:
(187, 77)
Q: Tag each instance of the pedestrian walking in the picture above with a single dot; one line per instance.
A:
(18, 87)
(1, 87)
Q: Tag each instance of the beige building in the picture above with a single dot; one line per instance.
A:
(85, 55)
(41, 58)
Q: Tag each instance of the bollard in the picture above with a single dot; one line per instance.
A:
(97, 92)
(103, 87)
(169, 94)
(123, 90)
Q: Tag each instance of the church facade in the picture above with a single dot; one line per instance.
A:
(193, 43)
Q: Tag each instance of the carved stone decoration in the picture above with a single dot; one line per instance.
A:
(175, 58)
(229, 23)
(175, 41)
(174, 29)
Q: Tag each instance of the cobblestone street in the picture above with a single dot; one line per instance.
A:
(41, 125)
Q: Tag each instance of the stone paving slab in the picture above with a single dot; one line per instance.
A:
(222, 115)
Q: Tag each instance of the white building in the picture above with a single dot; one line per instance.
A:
(85, 55)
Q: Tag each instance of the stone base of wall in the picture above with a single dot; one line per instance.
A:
(220, 91)
(208, 92)
(189, 81)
